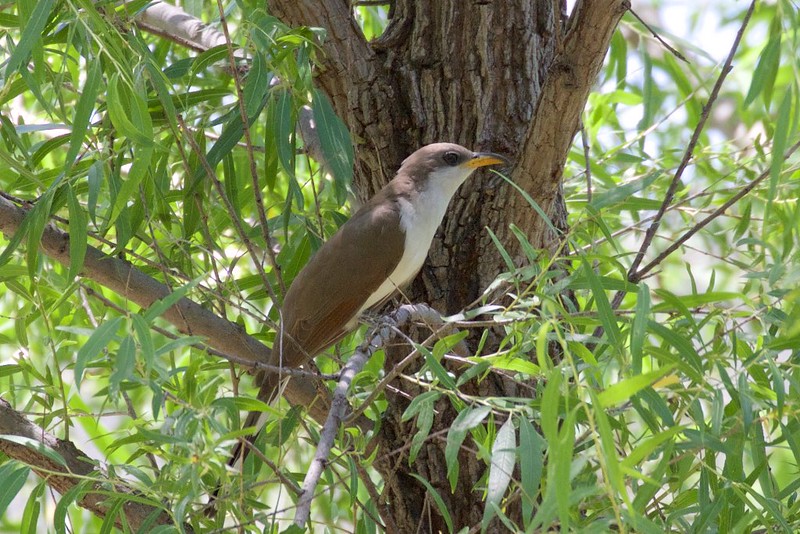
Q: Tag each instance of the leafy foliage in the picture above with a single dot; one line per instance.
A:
(662, 398)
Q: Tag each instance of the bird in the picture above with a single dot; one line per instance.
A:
(378, 251)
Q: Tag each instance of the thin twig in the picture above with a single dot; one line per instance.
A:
(331, 427)
(688, 154)
(658, 38)
(718, 212)
(259, 199)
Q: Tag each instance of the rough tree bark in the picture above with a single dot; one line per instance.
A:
(508, 76)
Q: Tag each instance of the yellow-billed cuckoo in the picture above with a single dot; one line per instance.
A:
(379, 250)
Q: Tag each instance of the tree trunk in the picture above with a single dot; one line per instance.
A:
(511, 77)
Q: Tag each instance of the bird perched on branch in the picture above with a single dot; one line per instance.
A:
(374, 254)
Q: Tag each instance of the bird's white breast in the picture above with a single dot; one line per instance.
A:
(419, 221)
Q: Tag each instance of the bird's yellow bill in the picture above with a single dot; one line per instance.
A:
(485, 158)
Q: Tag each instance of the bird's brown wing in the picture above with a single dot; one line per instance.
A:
(331, 289)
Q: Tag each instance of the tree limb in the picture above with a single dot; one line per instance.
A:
(186, 315)
(380, 336)
(36, 448)
(563, 96)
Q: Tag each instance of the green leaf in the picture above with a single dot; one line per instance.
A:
(96, 342)
(160, 306)
(337, 147)
(561, 452)
(621, 192)
(440, 505)
(39, 217)
(531, 463)
(550, 405)
(78, 234)
(146, 346)
(30, 515)
(627, 388)
(38, 446)
(13, 476)
(83, 112)
(779, 141)
(280, 128)
(424, 425)
(256, 86)
(31, 35)
(639, 327)
(500, 469)
(765, 72)
(437, 368)
(124, 363)
(468, 419)
(128, 113)
(604, 311)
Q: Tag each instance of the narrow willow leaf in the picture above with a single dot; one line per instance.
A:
(500, 469)
(337, 147)
(688, 359)
(163, 304)
(604, 311)
(96, 342)
(779, 141)
(639, 328)
(31, 35)
(424, 425)
(38, 446)
(608, 446)
(550, 405)
(65, 503)
(280, 128)
(562, 454)
(95, 181)
(531, 463)
(437, 369)
(209, 57)
(146, 346)
(256, 86)
(30, 515)
(124, 363)
(468, 418)
(765, 72)
(13, 476)
(39, 217)
(620, 193)
(440, 505)
(83, 112)
(78, 234)
(125, 114)
(625, 389)
(418, 402)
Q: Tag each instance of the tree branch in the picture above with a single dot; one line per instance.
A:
(563, 96)
(186, 315)
(31, 445)
(380, 336)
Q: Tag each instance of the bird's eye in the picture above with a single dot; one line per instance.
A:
(451, 158)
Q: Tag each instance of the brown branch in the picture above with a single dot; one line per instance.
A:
(186, 315)
(562, 99)
(40, 450)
